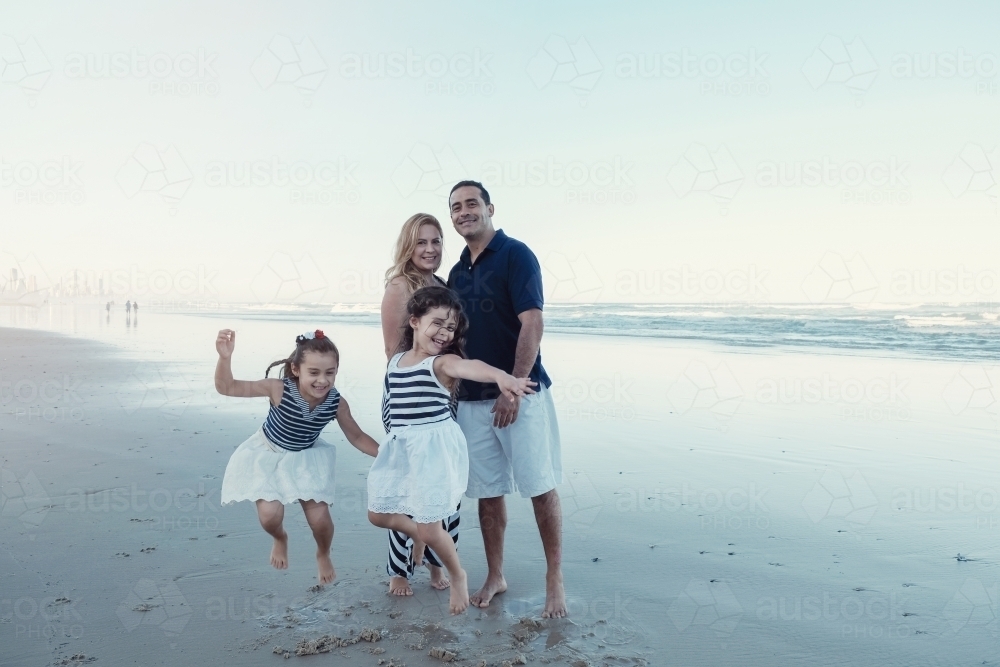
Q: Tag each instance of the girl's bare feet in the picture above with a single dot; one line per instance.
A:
(459, 599)
(326, 571)
(399, 586)
(279, 552)
(438, 578)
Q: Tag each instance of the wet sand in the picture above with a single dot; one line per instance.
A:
(712, 515)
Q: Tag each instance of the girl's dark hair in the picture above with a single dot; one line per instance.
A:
(320, 344)
(427, 298)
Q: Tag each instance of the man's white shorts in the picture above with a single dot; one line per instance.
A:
(524, 456)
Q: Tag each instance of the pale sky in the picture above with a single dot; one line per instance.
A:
(656, 140)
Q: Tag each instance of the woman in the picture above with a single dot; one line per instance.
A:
(418, 255)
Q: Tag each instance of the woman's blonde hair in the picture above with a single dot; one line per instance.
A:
(402, 264)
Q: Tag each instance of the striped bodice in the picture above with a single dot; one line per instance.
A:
(413, 395)
(292, 425)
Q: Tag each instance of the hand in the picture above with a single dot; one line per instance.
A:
(226, 343)
(512, 386)
(505, 410)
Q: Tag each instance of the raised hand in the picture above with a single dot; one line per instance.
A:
(226, 343)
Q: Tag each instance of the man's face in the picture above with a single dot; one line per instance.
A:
(470, 215)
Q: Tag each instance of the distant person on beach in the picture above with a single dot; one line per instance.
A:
(422, 467)
(286, 461)
(135, 307)
(417, 256)
(128, 307)
(108, 308)
(513, 442)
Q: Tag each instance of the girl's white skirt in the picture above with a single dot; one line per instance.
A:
(260, 470)
(421, 471)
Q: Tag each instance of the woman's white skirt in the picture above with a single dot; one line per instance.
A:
(421, 471)
(260, 470)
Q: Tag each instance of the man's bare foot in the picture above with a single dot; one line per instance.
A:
(493, 586)
(418, 553)
(399, 586)
(438, 579)
(279, 552)
(459, 599)
(555, 596)
(326, 571)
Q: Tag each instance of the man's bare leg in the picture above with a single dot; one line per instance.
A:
(548, 515)
(492, 523)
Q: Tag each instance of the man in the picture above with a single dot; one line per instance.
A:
(513, 445)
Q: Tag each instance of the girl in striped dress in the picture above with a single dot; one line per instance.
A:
(422, 466)
(286, 461)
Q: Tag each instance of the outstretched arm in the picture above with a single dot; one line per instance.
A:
(453, 367)
(361, 440)
(226, 385)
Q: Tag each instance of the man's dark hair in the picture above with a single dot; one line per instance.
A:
(474, 184)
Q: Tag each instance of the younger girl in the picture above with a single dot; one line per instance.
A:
(422, 467)
(286, 460)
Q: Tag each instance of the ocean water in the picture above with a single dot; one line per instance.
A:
(940, 331)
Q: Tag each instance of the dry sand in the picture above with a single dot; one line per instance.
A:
(704, 522)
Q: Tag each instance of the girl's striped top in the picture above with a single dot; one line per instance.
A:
(292, 425)
(413, 395)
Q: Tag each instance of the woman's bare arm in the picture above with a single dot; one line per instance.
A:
(393, 314)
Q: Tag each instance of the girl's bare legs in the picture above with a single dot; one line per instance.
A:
(438, 538)
(271, 513)
(318, 517)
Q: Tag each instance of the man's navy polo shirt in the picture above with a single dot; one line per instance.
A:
(505, 281)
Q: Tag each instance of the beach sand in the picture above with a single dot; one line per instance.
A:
(712, 515)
